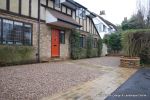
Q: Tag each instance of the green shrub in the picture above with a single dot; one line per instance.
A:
(113, 42)
(99, 46)
(145, 55)
(83, 53)
(89, 46)
(94, 52)
(75, 44)
(79, 53)
(137, 43)
(15, 54)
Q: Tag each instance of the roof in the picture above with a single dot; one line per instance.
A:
(106, 21)
(64, 18)
(70, 5)
(76, 3)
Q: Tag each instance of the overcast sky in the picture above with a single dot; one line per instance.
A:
(115, 10)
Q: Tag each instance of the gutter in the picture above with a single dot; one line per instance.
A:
(39, 32)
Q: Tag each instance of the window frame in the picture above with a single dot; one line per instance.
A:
(9, 30)
(1, 42)
(57, 5)
(22, 31)
(60, 38)
(95, 42)
(31, 32)
(78, 13)
(104, 28)
(83, 45)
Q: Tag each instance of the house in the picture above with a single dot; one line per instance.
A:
(45, 25)
(104, 27)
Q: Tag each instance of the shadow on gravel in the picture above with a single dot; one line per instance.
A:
(137, 87)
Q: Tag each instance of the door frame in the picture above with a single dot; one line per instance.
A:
(59, 44)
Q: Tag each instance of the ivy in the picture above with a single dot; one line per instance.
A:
(89, 46)
(99, 46)
(89, 51)
(75, 44)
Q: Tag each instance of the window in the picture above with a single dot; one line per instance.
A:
(82, 41)
(81, 13)
(68, 11)
(62, 37)
(15, 32)
(18, 33)
(64, 9)
(104, 28)
(7, 31)
(0, 30)
(57, 3)
(95, 42)
(27, 34)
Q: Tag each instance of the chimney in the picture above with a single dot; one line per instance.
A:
(102, 12)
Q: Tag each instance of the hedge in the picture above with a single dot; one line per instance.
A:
(137, 43)
(11, 55)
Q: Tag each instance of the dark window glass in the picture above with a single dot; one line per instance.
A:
(81, 13)
(82, 41)
(0, 30)
(18, 33)
(8, 32)
(104, 28)
(27, 34)
(57, 3)
(95, 43)
(62, 37)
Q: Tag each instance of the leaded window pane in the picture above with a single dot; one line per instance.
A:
(15, 32)
(27, 34)
(81, 42)
(18, 33)
(8, 32)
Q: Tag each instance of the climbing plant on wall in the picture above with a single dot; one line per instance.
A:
(75, 44)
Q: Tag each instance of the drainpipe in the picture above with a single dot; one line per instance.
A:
(39, 32)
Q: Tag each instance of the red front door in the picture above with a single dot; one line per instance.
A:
(55, 46)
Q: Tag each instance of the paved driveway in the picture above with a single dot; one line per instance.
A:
(36, 81)
(136, 88)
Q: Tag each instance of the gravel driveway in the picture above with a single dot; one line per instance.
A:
(32, 82)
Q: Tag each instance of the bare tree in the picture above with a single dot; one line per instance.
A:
(143, 12)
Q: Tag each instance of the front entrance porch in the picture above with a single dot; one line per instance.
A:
(55, 46)
(59, 43)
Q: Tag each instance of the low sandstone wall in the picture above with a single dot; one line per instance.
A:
(130, 62)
